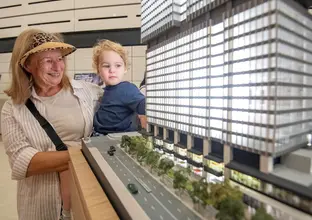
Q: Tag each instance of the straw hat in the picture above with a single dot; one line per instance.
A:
(44, 42)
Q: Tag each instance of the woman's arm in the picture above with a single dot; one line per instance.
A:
(96, 93)
(143, 121)
(25, 160)
(45, 162)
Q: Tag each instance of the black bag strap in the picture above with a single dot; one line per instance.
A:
(46, 126)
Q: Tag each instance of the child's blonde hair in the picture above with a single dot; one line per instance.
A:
(107, 45)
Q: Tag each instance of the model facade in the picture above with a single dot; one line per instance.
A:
(229, 89)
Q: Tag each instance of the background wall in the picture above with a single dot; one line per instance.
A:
(82, 23)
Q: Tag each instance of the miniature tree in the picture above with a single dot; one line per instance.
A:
(194, 193)
(231, 209)
(220, 191)
(152, 159)
(134, 145)
(131, 147)
(164, 166)
(188, 171)
(142, 152)
(179, 181)
(204, 194)
(125, 141)
(261, 214)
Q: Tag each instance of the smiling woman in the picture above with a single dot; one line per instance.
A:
(42, 92)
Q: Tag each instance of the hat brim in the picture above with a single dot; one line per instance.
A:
(65, 49)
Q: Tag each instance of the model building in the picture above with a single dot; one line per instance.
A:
(229, 89)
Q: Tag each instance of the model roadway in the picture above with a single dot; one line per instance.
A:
(158, 203)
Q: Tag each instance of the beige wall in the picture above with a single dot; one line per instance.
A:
(72, 11)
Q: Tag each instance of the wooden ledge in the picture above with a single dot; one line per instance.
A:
(89, 202)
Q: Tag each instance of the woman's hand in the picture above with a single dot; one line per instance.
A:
(143, 121)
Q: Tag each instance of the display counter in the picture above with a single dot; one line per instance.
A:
(89, 202)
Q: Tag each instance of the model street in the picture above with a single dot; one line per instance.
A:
(157, 203)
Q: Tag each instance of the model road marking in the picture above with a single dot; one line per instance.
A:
(188, 218)
(145, 199)
(161, 217)
(150, 193)
(154, 187)
(161, 194)
(129, 180)
(124, 174)
(164, 207)
(153, 207)
(116, 165)
(120, 169)
(178, 210)
(170, 201)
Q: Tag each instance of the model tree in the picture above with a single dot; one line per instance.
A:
(231, 209)
(261, 214)
(188, 171)
(164, 166)
(194, 193)
(125, 141)
(179, 181)
(220, 191)
(204, 194)
(134, 145)
(152, 159)
(142, 152)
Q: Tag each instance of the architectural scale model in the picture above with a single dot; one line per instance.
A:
(229, 109)
(119, 172)
(229, 95)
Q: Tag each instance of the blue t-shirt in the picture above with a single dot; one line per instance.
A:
(119, 105)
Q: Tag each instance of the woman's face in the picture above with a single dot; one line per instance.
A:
(47, 68)
(111, 68)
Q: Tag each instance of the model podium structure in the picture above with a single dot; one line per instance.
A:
(229, 86)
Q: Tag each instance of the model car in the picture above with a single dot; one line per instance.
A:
(110, 152)
(112, 148)
(132, 188)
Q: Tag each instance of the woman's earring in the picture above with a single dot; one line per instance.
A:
(30, 80)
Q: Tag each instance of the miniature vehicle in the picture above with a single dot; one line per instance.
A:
(132, 188)
(112, 148)
(110, 153)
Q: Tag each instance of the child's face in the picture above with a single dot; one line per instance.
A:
(111, 68)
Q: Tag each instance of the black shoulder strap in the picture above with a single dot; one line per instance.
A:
(46, 126)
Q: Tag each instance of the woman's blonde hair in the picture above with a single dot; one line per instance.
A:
(107, 45)
(21, 84)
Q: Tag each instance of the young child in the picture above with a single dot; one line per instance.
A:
(122, 100)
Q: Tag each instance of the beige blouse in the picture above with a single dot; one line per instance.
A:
(68, 124)
(38, 197)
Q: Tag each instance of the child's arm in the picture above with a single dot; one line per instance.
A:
(134, 99)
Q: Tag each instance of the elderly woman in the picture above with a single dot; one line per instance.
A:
(38, 66)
